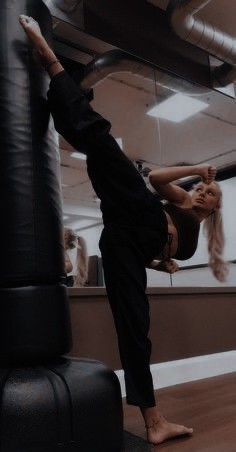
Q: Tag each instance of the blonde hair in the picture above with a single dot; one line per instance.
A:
(214, 230)
(72, 240)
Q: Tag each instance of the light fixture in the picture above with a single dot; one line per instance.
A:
(78, 155)
(177, 108)
(65, 217)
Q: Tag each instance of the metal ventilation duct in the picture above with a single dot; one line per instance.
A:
(115, 61)
(203, 34)
(66, 5)
(112, 62)
(70, 31)
(66, 11)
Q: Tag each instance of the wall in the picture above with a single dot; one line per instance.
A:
(197, 277)
(91, 235)
(184, 323)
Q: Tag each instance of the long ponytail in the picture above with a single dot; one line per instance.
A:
(213, 228)
(72, 240)
(81, 263)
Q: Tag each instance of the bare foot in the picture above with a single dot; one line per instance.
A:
(43, 53)
(32, 30)
(163, 430)
(159, 429)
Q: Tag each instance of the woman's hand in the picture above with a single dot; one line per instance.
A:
(206, 172)
(167, 266)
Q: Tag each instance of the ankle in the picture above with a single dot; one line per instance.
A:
(46, 55)
(45, 51)
(152, 417)
(151, 424)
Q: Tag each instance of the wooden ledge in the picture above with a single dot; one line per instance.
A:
(101, 291)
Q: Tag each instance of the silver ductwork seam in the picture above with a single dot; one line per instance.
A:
(204, 35)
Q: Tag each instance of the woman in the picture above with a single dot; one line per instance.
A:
(185, 211)
(135, 226)
(77, 274)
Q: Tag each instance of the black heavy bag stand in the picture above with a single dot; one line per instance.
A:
(48, 403)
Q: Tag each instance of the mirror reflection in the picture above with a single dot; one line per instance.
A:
(158, 121)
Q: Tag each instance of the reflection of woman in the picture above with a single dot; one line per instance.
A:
(135, 230)
(77, 274)
(184, 213)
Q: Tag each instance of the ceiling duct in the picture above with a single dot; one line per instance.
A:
(71, 33)
(110, 63)
(204, 35)
(67, 12)
(66, 5)
(115, 61)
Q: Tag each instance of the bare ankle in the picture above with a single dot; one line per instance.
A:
(44, 50)
(152, 424)
(46, 55)
(152, 416)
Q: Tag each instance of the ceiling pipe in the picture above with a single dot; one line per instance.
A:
(110, 63)
(115, 61)
(202, 34)
(66, 5)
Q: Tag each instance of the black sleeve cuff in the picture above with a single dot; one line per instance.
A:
(64, 87)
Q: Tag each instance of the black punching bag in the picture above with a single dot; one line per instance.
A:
(34, 320)
(48, 403)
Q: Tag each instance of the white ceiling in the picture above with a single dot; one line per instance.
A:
(209, 136)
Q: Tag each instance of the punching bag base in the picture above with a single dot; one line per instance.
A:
(68, 405)
(34, 323)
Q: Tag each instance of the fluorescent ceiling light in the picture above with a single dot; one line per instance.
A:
(78, 155)
(177, 108)
(120, 142)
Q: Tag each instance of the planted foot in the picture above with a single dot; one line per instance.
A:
(162, 430)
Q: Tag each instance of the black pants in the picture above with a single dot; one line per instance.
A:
(70, 281)
(135, 231)
(127, 245)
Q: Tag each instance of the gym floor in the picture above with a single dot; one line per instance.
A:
(209, 406)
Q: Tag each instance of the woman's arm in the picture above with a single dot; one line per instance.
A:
(161, 179)
(162, 176)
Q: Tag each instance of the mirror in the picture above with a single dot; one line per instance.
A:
(205, 133)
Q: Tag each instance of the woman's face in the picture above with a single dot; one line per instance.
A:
(206, 197)
(70, 239)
